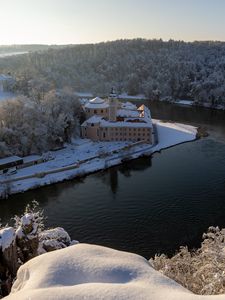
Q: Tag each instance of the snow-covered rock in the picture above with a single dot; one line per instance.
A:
(54, 239)
(8, 253)
(93, 272)
(7, 237)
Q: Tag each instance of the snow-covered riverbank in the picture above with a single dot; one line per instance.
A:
(190, 103)
(83, 157)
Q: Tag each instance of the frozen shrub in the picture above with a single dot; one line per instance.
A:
(203, 270)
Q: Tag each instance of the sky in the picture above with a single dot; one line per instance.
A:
(91, 21)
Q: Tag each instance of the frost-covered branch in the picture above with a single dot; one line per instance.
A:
(203, 270)
(30, 127)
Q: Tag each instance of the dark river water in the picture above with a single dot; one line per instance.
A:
(147, 206)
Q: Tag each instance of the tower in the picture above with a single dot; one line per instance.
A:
(113, 103)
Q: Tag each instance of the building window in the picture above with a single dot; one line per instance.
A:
(92, 124)
(95, 111)
(102, 111)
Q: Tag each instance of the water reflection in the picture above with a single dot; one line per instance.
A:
(137, 165)
(111, 176)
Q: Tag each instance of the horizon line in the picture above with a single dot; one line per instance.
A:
(108, 41)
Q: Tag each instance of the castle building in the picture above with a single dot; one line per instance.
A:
(111, 120)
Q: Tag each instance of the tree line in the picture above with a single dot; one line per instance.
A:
(160, 70)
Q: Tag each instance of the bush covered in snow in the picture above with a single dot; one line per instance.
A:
(202, 271)
(27, 239)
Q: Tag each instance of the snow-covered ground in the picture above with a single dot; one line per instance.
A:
(84, 95)
(2, 55)
(193, 103)
(170, 134)
(84, 156)
(184, 102)
(125, 96)
(95, 273)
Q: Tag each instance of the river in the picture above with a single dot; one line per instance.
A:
(147, 206)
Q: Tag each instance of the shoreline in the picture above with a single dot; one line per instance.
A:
(179, 102)
(109, 154)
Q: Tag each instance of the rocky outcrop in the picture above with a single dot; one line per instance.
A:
(54, 239)
(19, 245)
(8, 259)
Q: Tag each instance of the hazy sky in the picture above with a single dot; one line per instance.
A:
(85, 21)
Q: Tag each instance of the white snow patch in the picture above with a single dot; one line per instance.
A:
(129, 97)
(7, 236)
(2, 55)
(57, 233)
(84, 95)
(184, 102)
(27, 219)
(97, 103)
(93, 272)
(170, 134)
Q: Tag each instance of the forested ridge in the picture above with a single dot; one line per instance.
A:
(46, 114)
(159, 69)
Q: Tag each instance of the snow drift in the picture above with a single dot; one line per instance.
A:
(93, 272)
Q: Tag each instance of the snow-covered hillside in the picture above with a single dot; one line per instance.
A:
(155, 68)
(93, 272)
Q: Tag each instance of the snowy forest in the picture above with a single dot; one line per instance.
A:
(35, 125)
(47, 112)
(158, 69)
